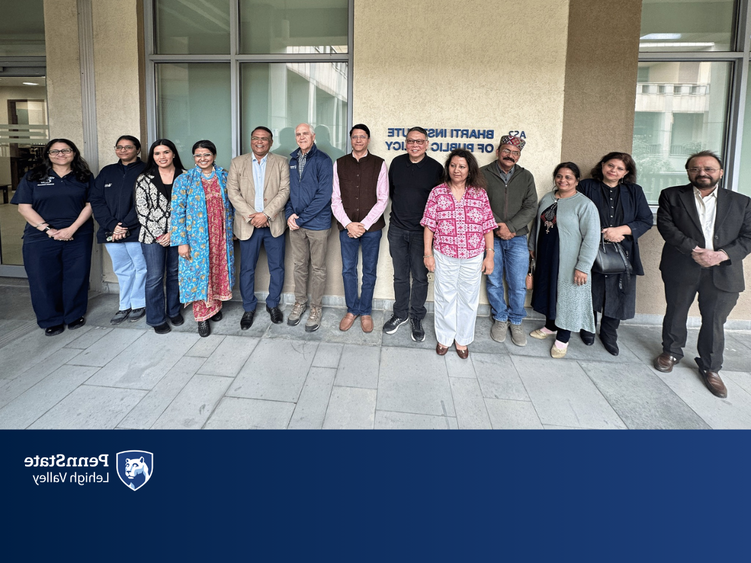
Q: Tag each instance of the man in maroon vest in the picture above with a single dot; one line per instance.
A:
(361, 192)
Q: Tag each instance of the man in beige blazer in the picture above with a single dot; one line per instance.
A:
(260, 219)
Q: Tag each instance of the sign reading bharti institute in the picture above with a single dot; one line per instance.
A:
(446, 140)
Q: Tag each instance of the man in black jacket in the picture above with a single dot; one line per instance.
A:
(707, 232)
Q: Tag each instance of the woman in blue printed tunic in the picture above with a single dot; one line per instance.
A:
(54, 199)
(202, 220)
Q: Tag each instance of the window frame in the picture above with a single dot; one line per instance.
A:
(235, 59)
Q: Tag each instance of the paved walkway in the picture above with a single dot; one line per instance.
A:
(276, 376)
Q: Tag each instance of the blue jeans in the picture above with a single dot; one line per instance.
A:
(161, 263)
(511, 256)
(130, 269)
(371, 243)
(249, 251)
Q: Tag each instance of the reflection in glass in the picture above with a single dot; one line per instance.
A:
(193, 104)
(293, 26)
(680, 109)
(191, 27)
(23, 133)
(669, 26)
(744, 176)
(283, 95)
(22, 29)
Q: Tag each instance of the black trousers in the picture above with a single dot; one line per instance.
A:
(407, 249)
(714, 305)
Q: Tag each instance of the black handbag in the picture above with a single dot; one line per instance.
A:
(611, 258)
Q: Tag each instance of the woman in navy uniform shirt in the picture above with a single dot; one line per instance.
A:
(54, 199)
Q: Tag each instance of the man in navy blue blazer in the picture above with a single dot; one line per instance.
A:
(707, 232)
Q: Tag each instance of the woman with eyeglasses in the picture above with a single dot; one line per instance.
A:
(54, 199)
(153, 206)
(564, 240)
(114, 206)
(202, 220)
(624, 217)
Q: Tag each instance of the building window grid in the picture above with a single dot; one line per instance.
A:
(342, 64)
(738, 59)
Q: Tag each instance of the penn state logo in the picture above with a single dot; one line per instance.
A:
(135, 468)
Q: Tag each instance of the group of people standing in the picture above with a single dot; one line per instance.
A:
(170, 234)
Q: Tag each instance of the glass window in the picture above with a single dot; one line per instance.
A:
(23, 133)
(194, 104)
(684, 25)
(681, 108)
(283, 95)
(22, 29)
(744, 176)
(293, 26)
(192, 27)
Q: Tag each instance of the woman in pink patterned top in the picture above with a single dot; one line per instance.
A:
(458, 239)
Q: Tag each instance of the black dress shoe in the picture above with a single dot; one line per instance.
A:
(54, 330)
(78, 323)
(216, 318)
(162, 328)
(276, 314)
(247, 321)
(610, 346)
(177, 320)
(204, 329)
(587, 337)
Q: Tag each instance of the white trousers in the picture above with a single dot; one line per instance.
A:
(456, 296)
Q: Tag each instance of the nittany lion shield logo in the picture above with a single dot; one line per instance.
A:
(135, 468)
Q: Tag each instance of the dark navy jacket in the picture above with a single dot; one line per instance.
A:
(113, 201)
(636, 214)
(310, 197)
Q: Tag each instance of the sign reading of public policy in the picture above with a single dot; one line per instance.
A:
(445, 139)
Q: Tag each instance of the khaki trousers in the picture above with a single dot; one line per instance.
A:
(309, 256)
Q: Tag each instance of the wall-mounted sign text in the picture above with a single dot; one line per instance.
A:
(446, 140)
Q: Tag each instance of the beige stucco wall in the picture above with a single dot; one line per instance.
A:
(117, 44)
(431, 63)
(63, 70)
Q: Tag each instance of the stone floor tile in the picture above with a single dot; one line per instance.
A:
(555, 427)
(498, 377)
(640, 398)
(460, 368)
(230, 356)
(387, 420)
(358, 367)
(414, 381)
(11, 330)
(40, 398)
(351, 408)
(10, 388)
(329, 330)
(512, 415)
(733, 412)
(151, 407)
(741, 378)
(328, 355)
(194, 404)
(232, 413)
(90, 408)
(276, 371)
(30, 349)
(562, 394)
(469, 404)
(204, 347)
(310, 410)
(108, 347)
(144, 362)
(89, 335)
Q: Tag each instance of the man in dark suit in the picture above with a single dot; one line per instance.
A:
(707, 232)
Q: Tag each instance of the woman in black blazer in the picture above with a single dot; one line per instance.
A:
(624, 217)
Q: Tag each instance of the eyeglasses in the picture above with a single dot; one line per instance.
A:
(707, 170)
(55, 152)
(510, 152)
(204, 155)
(264, 139)
(359, 137)
(124, 147)
(416, 141)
